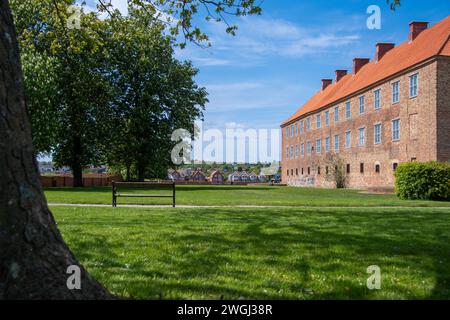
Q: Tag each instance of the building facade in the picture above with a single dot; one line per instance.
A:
(393, 109)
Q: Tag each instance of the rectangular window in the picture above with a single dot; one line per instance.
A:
(292, 130)
(287, 132)
(296, 151)
(308, 124)
(396, 130)
(396, 92)
(362, 105)
(309, 147)
(318, 121)
(292, 152)
(377, 133)
(336, 143)
(362, 137)
(348, 110)
(336, 114)
(318, 146)
(302, 149)
(301, 127)
(327, 116)
(377, 99)
(287, 153)
(413, 85)
(348, 168)
(296, 129)
(361, 167)
(327, 144)
(348, 137)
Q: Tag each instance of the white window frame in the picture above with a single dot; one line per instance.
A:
(336, 114)
(380, 125)
(327, 144)
(336, 143)
(362, 138)
(308, 124)
(348, 110)
(348, 142)
(395, 94)
(393, 132)
(302, 150)
(309, 148)
(318, 121)
(296, 151)
(319, 146)
(375, 100)
(416, 86)
(302, 127)
(327, 118)
(362, 105)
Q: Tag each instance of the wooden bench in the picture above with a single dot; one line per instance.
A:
(144, 185)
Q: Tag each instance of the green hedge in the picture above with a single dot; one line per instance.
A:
(423, 181)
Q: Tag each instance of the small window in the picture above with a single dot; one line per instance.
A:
(327, 118)
(336, 114)
(362, 137)
(348, 139)
(336, 143)
(302, 149)
(309, 170)
(377, 168)
(296, 129)
(327, 144)
(309, 147)
(377, 99)
(413, 159)
(292, 172)
(318, 121)
(348, 110)
(296, 172)
(318, 146)
(396, 130)
(361, 167)
(362, 105)
(308, 124)
(348, 168)
(296, 151)
(288, 172)
(326, 170)
(303, 171)
(301, 127)
(377, 133)
(395, 166)
(413, 85)
(318, 170)
(396, 92)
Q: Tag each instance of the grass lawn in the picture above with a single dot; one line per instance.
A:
(243, 195)
(260, 253)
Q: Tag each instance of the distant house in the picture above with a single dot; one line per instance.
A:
(235, 177)
(198, 176)
(262, 178)
(175, 176)
(245, 176)
(253, 177)
(216, 177)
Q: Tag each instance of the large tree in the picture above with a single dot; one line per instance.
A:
(33, 256)
(155, 94)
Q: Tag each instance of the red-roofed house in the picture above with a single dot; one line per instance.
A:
(390, 110)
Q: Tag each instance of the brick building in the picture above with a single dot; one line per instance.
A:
(393, 109)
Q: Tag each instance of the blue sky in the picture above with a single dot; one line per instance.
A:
(275, 63)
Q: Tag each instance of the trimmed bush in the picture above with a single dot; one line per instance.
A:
(423, 181)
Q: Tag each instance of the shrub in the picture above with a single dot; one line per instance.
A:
(423, 181)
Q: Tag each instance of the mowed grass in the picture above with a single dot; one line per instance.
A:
(239, 195)
(262, 253)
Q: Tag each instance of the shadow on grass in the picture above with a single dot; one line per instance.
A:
(258, 255)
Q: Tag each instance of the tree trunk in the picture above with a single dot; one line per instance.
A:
(77, 169)
(141, 170)
(33, 256)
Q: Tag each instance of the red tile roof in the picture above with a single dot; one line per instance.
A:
(432, 42)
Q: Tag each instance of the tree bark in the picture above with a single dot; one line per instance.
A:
(33, 256)
(77, 169)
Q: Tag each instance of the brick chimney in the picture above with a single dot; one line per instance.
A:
(382, 49)
(415, 28)
(358, 63)
(340, 74)
(326, 83)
